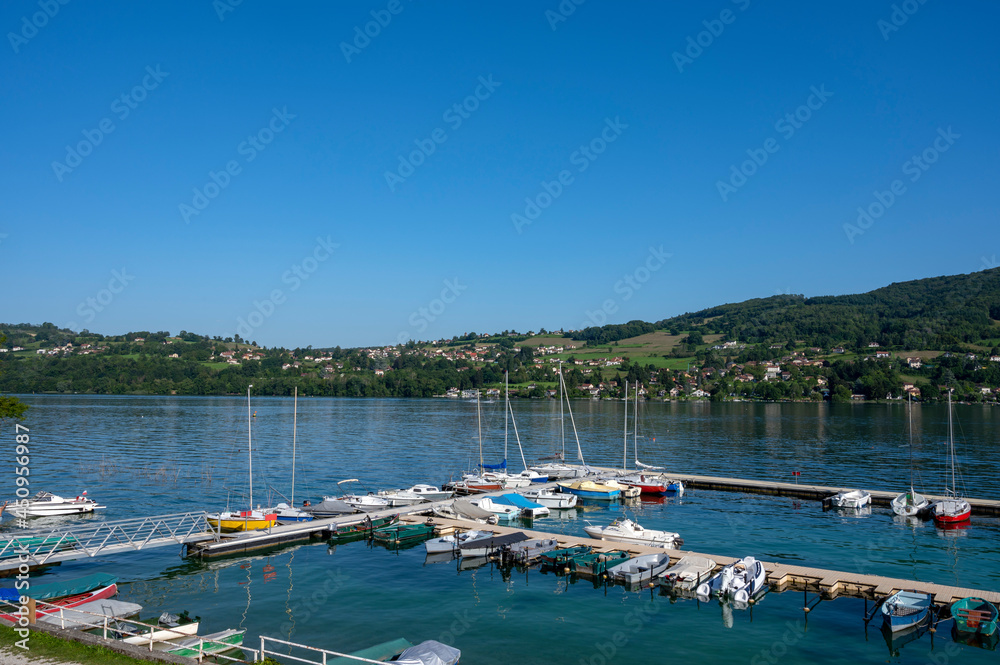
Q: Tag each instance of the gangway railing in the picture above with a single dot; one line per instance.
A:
(321, 653)
(61, 543)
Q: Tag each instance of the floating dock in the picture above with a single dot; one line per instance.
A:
(781, 577)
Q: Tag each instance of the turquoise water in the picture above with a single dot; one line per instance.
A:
(146, 456)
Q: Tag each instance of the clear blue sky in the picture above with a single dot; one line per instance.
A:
(676, 127)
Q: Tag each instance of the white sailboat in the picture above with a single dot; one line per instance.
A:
(561, 469)
(909, 503)
(284, 511)
(251, 519)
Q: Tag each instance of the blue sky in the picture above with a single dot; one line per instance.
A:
(335, 231)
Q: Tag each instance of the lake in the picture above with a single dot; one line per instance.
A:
(156, 455)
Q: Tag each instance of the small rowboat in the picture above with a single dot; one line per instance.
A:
(974, 616)
(563, 557)
(402, 533)
(906, 609)
(54, 605)
(216, 643)
(597, 563)
(689, 572)
(640, 569)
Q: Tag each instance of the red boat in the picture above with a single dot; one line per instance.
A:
(647, 484)
(45, 607)
(953, 509)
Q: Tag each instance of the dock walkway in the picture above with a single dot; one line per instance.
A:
(782, 577)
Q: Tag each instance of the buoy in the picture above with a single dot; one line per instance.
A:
(807, 610)
(566, 569)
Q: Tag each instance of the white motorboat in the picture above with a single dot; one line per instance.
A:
(46, 504)
(626, 531)
(534, 476)
(367, 503)
(640, 569)
(414, 495)
(624, 491)
(559, 471)
(909, 504)
(502, 511)
(689, 572)
(851, 499)
(460, 509)
(287, 513)
(550, 499)
(740, 580)
(451, 543)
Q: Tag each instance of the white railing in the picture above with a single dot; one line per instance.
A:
(323, 653)
(40, 545)
(110, 625)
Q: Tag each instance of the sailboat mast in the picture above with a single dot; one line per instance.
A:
(625, 432)
(951, 447)
(635, 427)
(479, 416)
(562, 424)
(295, 415)
(909, 416)
(250, 445)
(506, 411)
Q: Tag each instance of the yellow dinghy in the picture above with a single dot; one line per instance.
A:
(244, 520)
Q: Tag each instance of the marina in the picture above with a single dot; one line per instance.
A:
(254, 564)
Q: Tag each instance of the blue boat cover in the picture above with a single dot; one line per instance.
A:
(59, 589)
(516, 500)
(501, 465)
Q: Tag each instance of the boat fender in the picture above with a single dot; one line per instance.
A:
(741, 596)
(704, 590)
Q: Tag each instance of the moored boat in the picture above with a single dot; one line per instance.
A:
(70, 594)
(740, 580)
(850, 499)
(430, 652)
(361, 528)
(588, 489)
(597, 563)
(402, 533)
(503, 511)
(689, 572)
(952, 509)
(366, 503)
(625, 530)
(165, 628)
(906, 609)
(451, 542)
(909, 503)
(529, 509)
(526, 551)
(482, 547)
(550, 499)
(652, 484)
(420, 493)
(640, 569)
(46, 504)
(562, 557)
(215, 643)
(974, 616)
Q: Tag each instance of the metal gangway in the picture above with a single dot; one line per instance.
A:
(38, 547)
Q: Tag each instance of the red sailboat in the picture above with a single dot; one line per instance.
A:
(952, 509)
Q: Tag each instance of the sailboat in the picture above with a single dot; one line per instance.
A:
(909, 503)
(647, 483)
(560, 469)
(953, 509)
(287, 512)
(527, 475)
(480, 482)
(498, 472)
(244, 520)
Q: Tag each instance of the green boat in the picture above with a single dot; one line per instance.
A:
(974, 616)
(565, 556)
(597, 563)
(402, 533)
(74, 587)
(379, 652)
(360, 528)
(227, 640)
(11, 547)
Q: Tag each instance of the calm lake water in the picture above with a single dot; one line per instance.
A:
(157, 455)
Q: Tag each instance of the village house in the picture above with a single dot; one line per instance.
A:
(914, 363)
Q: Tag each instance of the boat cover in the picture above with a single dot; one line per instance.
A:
(430, 653)
(501, 465)
(330, 507)
(493, 542)
(91, 614)
(465, 509)
(59, 589)
(517, 500)
(383, 651)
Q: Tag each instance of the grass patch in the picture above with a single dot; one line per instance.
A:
(43, 645)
